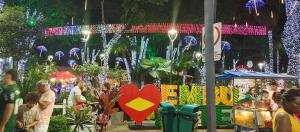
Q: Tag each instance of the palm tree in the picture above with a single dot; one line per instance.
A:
(123, 49)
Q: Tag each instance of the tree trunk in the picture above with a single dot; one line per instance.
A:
(127, 69)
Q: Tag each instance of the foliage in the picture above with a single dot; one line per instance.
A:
(107, 100)
(91, 69)
(117, 73)
(33, 74)
(79, 118)
(122, 47)
(16, 35)
(59, 123)
(134, 11)
(62, 96)
(56, 12)
(156, 67)
(184, 63)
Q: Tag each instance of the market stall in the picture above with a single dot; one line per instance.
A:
(251, 112)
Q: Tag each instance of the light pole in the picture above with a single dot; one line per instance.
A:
(172, 33)
(86, 36)
(209, 16)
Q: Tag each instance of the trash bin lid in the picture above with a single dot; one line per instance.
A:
(190, 108)
(166, 106)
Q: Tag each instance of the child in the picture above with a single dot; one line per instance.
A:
(28, 116)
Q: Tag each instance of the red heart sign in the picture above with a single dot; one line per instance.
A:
(139, 103)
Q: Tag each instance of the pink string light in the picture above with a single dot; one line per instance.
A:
(246, 30)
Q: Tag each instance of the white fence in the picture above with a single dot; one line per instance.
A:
(63, 106)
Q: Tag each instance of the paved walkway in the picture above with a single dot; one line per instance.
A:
(124, 128)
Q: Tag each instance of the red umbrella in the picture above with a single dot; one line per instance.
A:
(63, 75)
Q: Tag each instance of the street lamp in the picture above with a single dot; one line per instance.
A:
(172, 33)
(102, 56)
(260, 65)
(50, 58)
(86, 37)
(198, 56)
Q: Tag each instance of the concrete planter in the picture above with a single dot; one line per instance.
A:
(92, 127)
(117, 118)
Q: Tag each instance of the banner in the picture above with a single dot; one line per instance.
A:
(217, 41)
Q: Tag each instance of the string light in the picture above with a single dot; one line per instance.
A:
(1, 4)
(282, 1)
(246, 24)
(294, 7)
(272, 15)
(155, 28)
(291, 38)
(271, 62)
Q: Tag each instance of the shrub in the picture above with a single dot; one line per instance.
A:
(59, 123)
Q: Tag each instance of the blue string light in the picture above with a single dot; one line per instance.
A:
(1, 4)
(259, 4)
(291, 38)
(271, 62)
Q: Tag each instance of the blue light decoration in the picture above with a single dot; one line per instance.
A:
(74, 52)
(255, 4)
(1, 4)
(226, 46)
(271, 60)
(59, 54)
(190, 40)
(72, 63)
(291, 37)
(41, 49)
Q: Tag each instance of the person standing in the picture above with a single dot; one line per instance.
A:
(9, 93)
(75, 96)
(284, 119)
(46, 106)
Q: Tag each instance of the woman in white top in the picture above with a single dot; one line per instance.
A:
(75, 96)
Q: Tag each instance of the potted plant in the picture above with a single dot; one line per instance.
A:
(82, 120)
(59, 123)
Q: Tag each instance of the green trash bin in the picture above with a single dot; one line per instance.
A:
(188, 118)
(169, 117)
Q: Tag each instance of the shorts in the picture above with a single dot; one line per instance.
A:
(41, 128)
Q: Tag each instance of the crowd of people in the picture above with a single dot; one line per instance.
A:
(283, 104)
(35, 114)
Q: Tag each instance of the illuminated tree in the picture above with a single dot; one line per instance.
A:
(291, 36)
